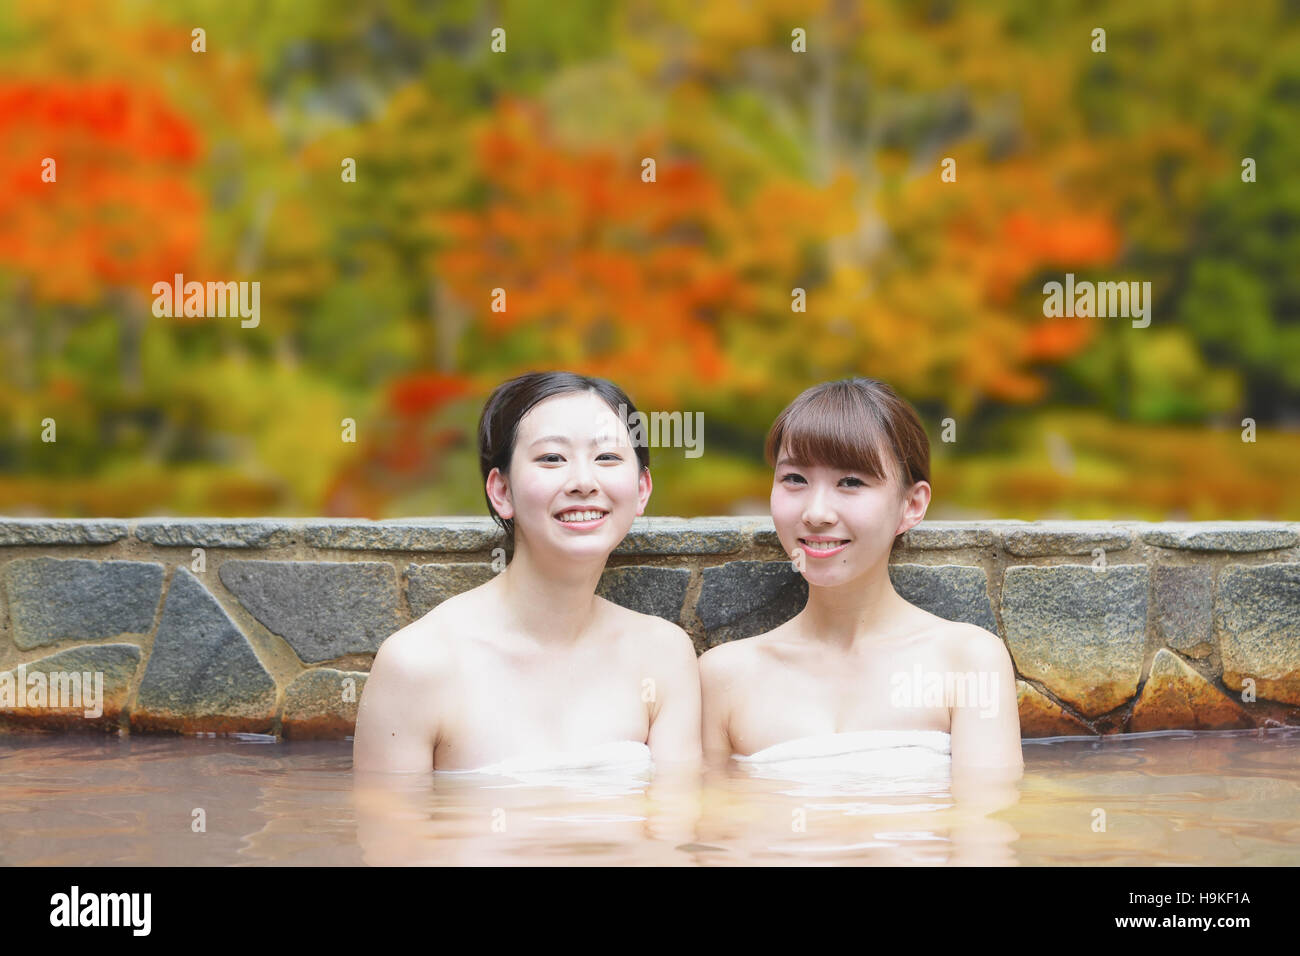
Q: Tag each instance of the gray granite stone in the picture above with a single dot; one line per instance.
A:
(764, 533)
(1184, 608)
(76, 599)
(1040, 538)
(1235, 536)
(22, 531)
(1079, 631)
(322, 702)
(115, 663)
(217, 532)
(453, 535)
(947, 536)
(202, 672)
(686, 536)
(657, 591)
(428, 585)
(323, 609)
(952, 591)
(743, 598)
(1257, 622)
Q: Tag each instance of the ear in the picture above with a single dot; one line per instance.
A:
(914, 504)
(645, 485)
(498, 492)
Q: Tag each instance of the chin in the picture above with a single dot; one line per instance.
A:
(833, 576)
(829, 583)
(602, 539)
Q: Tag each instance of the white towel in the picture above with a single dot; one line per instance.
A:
(858, 762)
(840, 750)
(619, 764)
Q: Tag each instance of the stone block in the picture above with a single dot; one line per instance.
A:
(92, 704)
(323, 609)
(428, 585)
(75, 599)
(1257, 623)
(1040, 716)
(952, 591)
(322, 703)
(1176, 697)
(202, 674)
(649, 590)
(1184, 608)
(744, 598)
(1079, 631)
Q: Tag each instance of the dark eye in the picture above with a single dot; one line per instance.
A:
(857, 481)
(792, 474)
(609, 454)
(549, 455)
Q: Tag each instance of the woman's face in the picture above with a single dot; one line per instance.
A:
(843, 521)
(574, 482)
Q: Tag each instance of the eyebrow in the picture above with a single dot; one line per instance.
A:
(563, 440)
(803, 464)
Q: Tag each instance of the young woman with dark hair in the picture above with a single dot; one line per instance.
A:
(533, 669)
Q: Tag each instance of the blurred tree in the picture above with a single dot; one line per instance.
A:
(776, 170)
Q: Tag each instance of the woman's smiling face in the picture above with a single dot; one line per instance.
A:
(575, 483)
(842, 520)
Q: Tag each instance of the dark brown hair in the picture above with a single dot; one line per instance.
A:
(511, 401)
(859, 424)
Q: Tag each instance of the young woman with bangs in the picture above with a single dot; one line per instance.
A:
(839, 679)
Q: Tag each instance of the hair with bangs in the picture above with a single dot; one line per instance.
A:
(511, 401)
(859, 424)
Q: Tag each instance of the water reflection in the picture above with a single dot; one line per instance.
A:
(483, 819)
(939, 816)
(736, 817)
(1228, 798)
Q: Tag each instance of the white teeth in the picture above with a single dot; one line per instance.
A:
(824, 545)
(580, 515)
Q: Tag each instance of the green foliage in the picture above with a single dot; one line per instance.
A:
(915, 282)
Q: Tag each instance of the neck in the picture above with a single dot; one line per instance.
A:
(551, 601)
(854, 613)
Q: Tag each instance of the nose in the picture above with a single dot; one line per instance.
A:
(581, 479)
(817, 510)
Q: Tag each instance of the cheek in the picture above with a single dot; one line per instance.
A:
(626, 484)
(536, 488)
(877, 519)
(782, 503)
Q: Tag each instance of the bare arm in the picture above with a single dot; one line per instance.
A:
(715, 709)
(986, 731)
(674, 738)
(397, 722)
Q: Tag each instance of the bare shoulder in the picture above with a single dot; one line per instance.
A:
(723, 662)
(970, 647)
(651, 633)
(727, 655)
(423, 649)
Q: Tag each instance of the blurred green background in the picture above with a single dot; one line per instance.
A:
(522, 170)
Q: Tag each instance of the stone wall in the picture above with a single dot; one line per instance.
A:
(269, 625)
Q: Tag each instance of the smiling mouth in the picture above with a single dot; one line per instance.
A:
(823, 545)
(581, 515)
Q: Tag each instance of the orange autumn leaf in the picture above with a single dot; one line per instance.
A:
(423, 393)
(1058, 338)
(121, 211)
